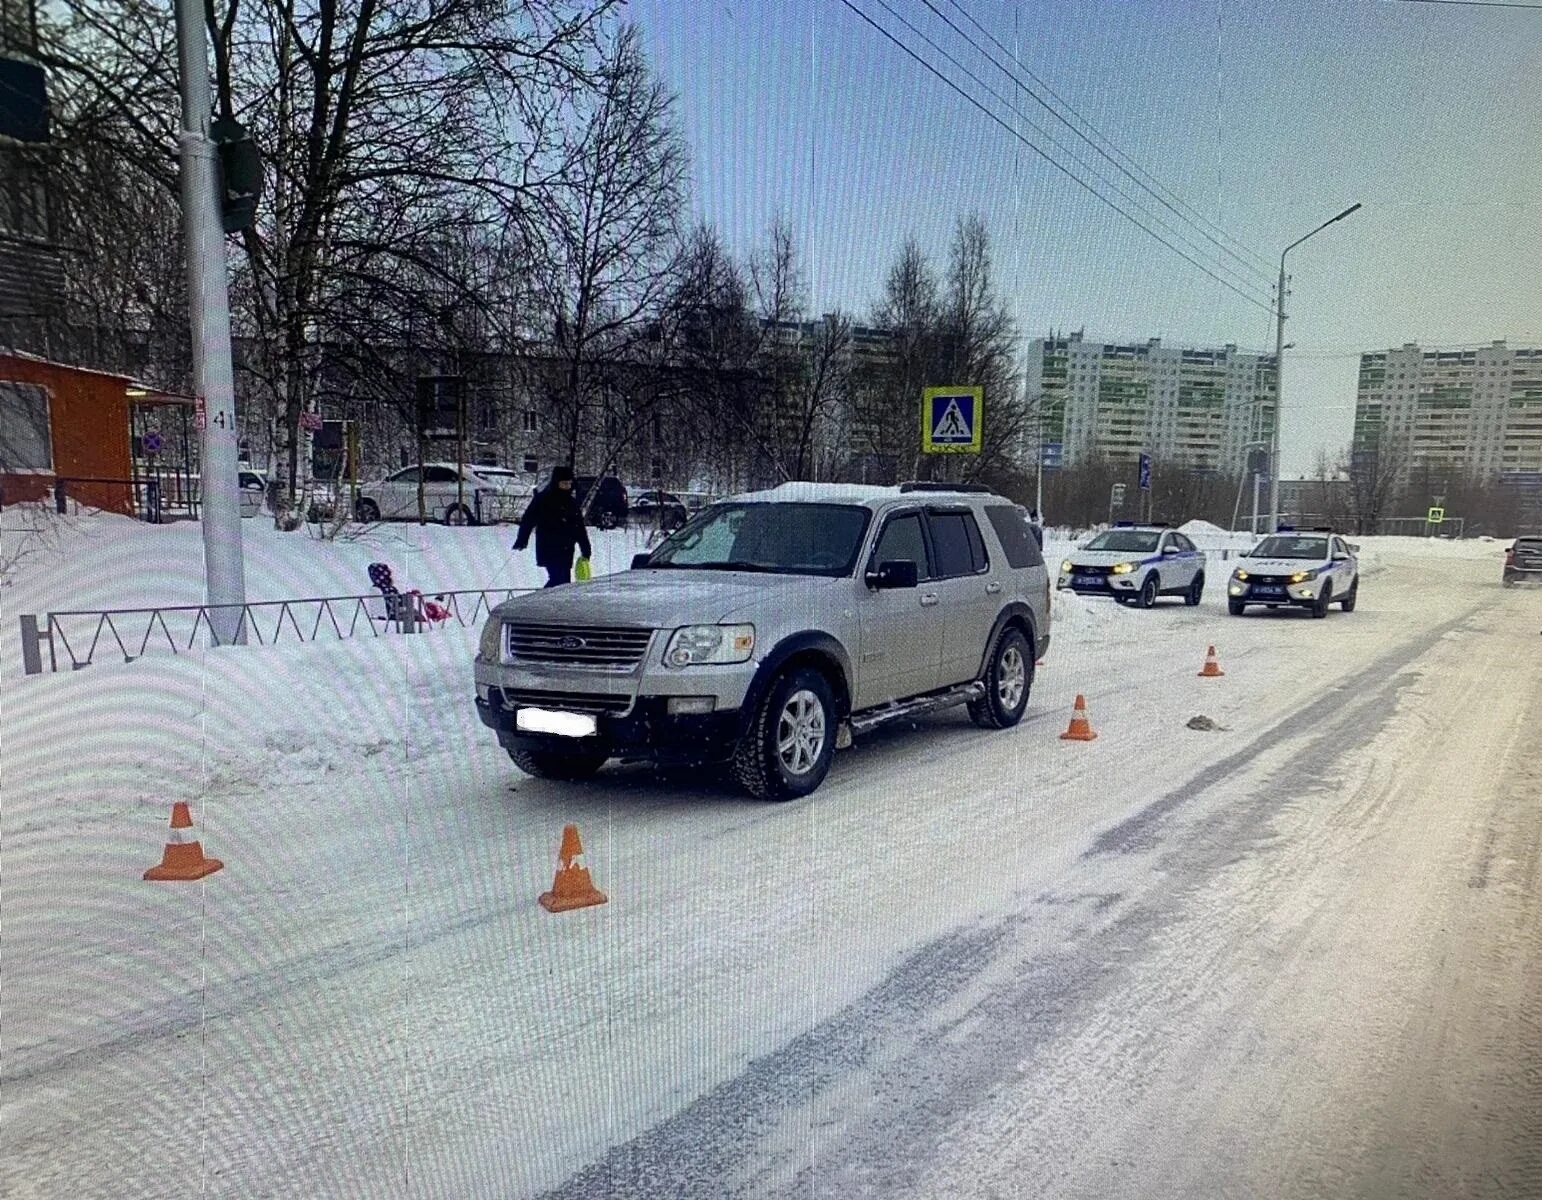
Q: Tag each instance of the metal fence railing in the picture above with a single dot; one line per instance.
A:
(77, 639)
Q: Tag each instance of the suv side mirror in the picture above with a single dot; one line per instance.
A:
(639, 561)
(1340, 556)
(894, 575)
(1170, 549)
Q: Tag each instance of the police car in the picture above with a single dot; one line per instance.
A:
(1309, 568)
(1135, 564)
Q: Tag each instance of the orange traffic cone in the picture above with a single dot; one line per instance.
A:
(1212, 668)
(572, 888)
(1081, 727)
(183, 859)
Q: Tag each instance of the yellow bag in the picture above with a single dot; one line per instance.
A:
(584, 571)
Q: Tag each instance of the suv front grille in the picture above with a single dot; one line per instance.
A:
(577, 645)
(579, 702)
(1269, 579)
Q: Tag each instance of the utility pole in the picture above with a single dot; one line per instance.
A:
(1279, 371)
(209, 302)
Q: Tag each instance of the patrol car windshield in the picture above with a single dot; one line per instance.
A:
(781, 539)
(1126, 541)
(1291, 547)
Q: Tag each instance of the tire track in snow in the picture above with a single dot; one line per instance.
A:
(893, 1037)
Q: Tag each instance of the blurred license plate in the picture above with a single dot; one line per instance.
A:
(1089, 583)
(563, 724)
(1270, 591)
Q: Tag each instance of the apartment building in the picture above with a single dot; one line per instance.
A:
(1471, 412)
(1198, 407)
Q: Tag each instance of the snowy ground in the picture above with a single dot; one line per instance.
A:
(1293, 957)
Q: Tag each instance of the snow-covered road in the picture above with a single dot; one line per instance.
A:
(1296, 956)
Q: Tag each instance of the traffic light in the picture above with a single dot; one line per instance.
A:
(240, 174)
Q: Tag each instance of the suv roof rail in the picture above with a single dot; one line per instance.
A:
(927, 485)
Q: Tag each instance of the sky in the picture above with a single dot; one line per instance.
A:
(1258, 121)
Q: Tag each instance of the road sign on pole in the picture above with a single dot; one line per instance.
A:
(152, 443)
(1145, 472)
(1437, 516)
(952, 420)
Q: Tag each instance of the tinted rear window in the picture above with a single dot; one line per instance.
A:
(1016, 541)
(956, 542)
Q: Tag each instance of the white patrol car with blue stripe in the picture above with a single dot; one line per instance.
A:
(1308, 568)
(1135, 564)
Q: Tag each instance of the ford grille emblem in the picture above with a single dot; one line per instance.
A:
(572, 643)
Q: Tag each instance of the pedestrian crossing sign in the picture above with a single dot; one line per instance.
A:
(951, 420)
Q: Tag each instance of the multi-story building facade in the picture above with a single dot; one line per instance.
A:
(1199, 408)
(31, 271)
(1471, 413)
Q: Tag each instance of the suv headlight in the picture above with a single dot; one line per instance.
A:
(696, 645)
(489, 648)
(1240, 575)
(1303, 576)
(1123, 569)
(1065, 567)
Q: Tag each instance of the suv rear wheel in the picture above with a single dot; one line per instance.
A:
(568, 768)
(786, 751)
(1008, 679)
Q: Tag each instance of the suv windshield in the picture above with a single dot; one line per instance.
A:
(1127, 541)
(785, 539)
(1291, 547)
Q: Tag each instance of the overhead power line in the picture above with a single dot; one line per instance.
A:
(1149, 184)
(1054, 162)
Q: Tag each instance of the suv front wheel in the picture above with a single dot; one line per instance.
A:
(786, 751)
(1008, 679)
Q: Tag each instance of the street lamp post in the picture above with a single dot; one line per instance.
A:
(209, 302)
(1279, 371)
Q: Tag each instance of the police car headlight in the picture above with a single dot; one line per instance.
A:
(1123, 569)
(1065, 567)
(1240, 574)
(1303, 576)
(696, 645)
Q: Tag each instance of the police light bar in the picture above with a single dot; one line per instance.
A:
(1284, 529)
(1124, 524)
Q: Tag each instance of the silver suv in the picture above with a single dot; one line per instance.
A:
(769, 630)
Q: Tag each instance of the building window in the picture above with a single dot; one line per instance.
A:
(532, 421)
(26, 440)
(531, 464)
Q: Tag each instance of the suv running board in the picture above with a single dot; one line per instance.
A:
(967, 693)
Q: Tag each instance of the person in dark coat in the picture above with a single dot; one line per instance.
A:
(553, 516)
(1036, 527)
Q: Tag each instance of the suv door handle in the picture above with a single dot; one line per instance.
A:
(992, 589)
(928, 599)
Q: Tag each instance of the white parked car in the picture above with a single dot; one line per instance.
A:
(1303, 568)
(454, 495)
(1135, 564)
(514, 493)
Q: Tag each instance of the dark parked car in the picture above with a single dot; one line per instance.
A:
(608, 507)
(663, 510)
(1523, 561)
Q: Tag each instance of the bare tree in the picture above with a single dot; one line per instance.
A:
(976, 337)
(385, 126)
(613, 223)
(1375, 474)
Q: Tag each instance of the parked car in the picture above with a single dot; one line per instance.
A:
(452, 494)
(1523, 561)
(514, 493)
(609, 508)
(659, 510)
(772, 630)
